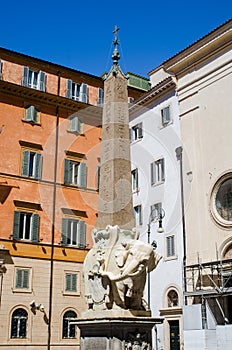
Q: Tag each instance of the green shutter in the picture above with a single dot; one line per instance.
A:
(100, 100)
(75, 124)
(84, 93)
(82, 170)
(25, 163)
(74, 282)
(153, 177)
(67, 171)
(64, 233)
(98, 176)
(22, 278)
(16, 225)
(25, 279)
(82, 233)
(19, 278)
(30, 113)
(38, 165)
(42, 81)
(35, 227)
(25, 76)
(69, 89)
(162, 170)
(68, 282)
(140, 130)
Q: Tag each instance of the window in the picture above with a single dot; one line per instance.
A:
(71, 282)
(31, 114)
(100, 99)
(170, 246)
(135, 180)
(98, 177)
(165, 115)
(31, 164)
(130, 100)
(136, 132)
(73, 232)
(75, 124)
(69, 330)
(157, 171)
(138, 215)
(33, 79)
(173, 299)
(77, 91)
(26, 226)
(223, 200)
(22, 278)
(19, 323)
(156, 209)
(74, 173)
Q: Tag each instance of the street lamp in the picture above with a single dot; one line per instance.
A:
(156, 215)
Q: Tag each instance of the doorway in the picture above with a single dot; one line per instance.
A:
(174, 328)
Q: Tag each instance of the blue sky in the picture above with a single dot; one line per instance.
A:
(78, 34)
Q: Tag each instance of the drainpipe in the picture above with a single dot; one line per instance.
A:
(53, 219)
(179, 156)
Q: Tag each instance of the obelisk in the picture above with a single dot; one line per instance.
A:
(115, 191)
(115, 268)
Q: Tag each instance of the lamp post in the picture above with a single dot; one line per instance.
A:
(156, 215)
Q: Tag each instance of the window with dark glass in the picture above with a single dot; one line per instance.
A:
(69, 330)
(138, 215)
(135, 180)
(165, 115)
(136, 132)
(19, 323)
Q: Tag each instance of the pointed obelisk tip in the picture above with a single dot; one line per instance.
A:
(116, 55)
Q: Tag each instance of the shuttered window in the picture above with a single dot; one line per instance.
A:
(170, 246)
(71, 282)
(34, 79)
(32, 164)
(100, 99)
(75, 173)
(165, 115)
(77, 91)
(138, 215)
(31, 114)
(22, 278)
(26, 226)
(157, 171)
(75, 124)
(136, 132)
(135, 180)
(74, 232)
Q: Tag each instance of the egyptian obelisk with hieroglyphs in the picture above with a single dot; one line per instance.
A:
(115, 193)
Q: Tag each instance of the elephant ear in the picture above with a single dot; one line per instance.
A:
(153, 261)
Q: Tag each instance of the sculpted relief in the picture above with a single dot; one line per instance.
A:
(115, 270)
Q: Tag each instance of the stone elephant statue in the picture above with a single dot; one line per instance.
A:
(133, 259)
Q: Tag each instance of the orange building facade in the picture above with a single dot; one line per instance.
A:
(50, 123)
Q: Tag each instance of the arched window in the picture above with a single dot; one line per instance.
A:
(69, 330)
(19, 323)
(173, 299)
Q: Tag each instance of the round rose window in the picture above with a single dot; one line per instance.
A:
(221, 200)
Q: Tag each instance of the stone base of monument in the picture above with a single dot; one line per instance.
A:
(116, 332)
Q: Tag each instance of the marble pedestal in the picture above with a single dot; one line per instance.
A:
(117, 333)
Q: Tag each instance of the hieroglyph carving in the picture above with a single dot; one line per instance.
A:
(115, 269)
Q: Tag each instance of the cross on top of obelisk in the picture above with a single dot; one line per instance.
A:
(116, 55)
